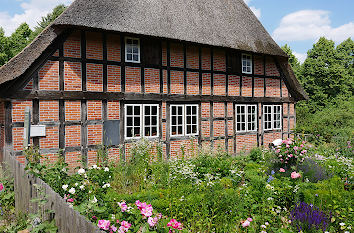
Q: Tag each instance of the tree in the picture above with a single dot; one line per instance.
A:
(294, 62)
(20, 39)
(323, 75)
(5, 53)
(48, 19)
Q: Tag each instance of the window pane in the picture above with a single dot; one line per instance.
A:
(135, 50)
(135, 58)
(129, 132)
(154, 131)
(147, 120)
(136, 121)
(180, 120)
(174, 130)
(154, 120)
(147, 132)
(154, 110)
(194, 129)
(129, 57)
(174, 120)
(180, 129)
(129, 110)
(137, 131)
(129, 121)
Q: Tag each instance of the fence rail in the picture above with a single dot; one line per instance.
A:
(67, 219)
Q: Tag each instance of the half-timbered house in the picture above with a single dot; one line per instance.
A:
(183, 73)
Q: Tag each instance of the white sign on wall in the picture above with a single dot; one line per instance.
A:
(38, 131)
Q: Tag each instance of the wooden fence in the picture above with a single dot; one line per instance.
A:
(67, 219)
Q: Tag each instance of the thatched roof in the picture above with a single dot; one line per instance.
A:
(224, 23)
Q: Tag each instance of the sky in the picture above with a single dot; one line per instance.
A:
(298, 23)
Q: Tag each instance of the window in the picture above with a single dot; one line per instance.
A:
(141, 120)
(246, 118)
(246, 64)
(272, 115)
(132, 50)
(184, 120)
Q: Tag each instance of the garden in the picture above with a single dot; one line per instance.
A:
(294, 187)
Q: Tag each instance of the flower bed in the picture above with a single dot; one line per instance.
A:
(213, 192)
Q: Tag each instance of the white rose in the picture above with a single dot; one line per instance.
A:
(106, 185)
(76, 184)
(106, 169)
(81, 171)
(94, 200)
(82, 187)
(65, 187)
(94, 166)
(72, 190)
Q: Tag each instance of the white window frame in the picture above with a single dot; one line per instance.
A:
(142, 120)
(247, 114)
(273, 114)
(184, 120)
(247, 57)
(126, 50)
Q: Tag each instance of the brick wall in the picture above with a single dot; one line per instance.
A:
(114, 78)
(177, 59)
(247, 86)
(234, 85)
(48, 110)
(192, 83)
(113, 48)
(49, 76)
(94, 45)
(219, 84)
(177, 82)
(132, 79)
(94, 77)
(152, 81)
(212, 84)
(245, 142)
(72, 46)
(72, 76)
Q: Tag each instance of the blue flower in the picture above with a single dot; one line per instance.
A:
(272, 172)
(270, 178)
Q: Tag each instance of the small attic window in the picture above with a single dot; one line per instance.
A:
(246, 64)
(132, 50)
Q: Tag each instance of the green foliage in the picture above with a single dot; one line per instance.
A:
(327, 75)
(256, 154)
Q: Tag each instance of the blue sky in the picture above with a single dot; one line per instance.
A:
(298, 23)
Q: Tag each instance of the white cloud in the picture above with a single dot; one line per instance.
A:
(310, 25)
(33, 11)
(256, 11)
(300, 56)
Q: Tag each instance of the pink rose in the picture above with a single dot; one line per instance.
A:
(113, 228)
(174, 224)
(295, 175)
(281, 170)
(250, 219)
(246, 223)
(1, 187)
(70, 200)
(123, 206)
(104, 224)
(126, 224)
